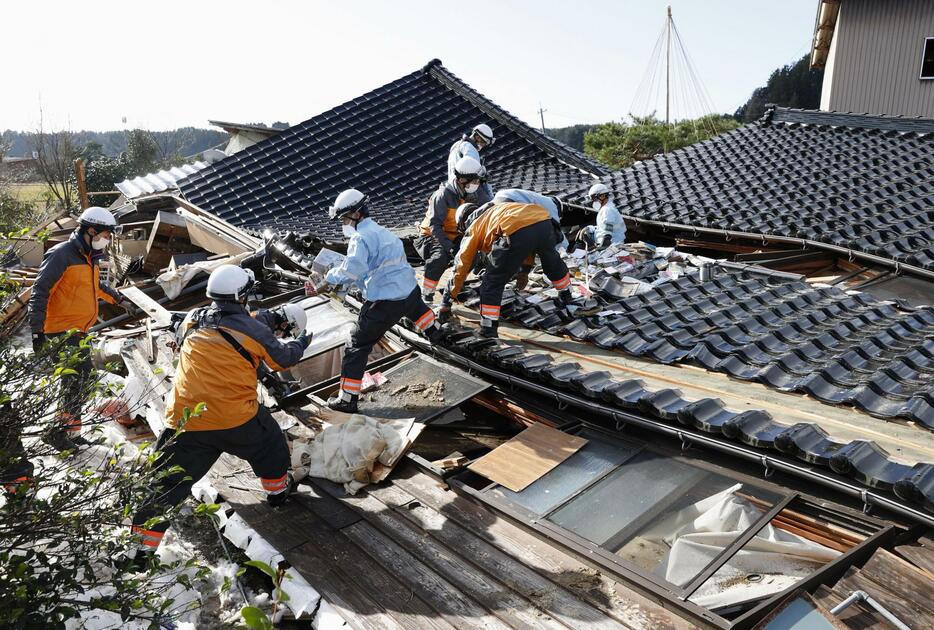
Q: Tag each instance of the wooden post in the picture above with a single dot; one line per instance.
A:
(82, 184)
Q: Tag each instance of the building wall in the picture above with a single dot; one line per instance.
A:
(875, 58)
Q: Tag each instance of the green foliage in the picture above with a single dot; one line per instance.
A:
(622, 144)
(61, 531)
(186, 140)
(15, 213)
(794, 85)
(256, 618)
(142, 152)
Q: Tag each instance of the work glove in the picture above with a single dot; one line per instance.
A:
(305, 339)
(605, 242)
(522, 280)
(312, 289)
(38, 341)
(127, 305)
(444, 313)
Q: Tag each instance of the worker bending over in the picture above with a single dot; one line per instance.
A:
(375, 263)
(439, 237)
(470, 146)
(64, 298)
(222, 348)
(609, 228)
(512, 234)
(551, 204)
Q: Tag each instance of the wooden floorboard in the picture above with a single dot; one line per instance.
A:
(616, 600)
(921, 557)
(856, 616)
(908, 612)
(504, 588)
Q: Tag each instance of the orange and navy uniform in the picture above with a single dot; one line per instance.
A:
(67, 289)
(213, 372)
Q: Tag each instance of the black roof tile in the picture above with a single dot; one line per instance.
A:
(391, 143)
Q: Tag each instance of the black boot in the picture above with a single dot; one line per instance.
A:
(279, 498)
(434, 335)
(565, 297)
(343, 402)
(489, 328)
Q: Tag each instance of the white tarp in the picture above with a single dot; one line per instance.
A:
(771, 561)
(172, 282)
(346, 453)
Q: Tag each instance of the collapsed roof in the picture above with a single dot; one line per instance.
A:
(858, 183)
(391, 143)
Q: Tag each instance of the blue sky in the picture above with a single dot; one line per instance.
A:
(171, 63)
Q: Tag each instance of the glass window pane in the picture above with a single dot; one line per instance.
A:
(664, 515)
(593, 460)
(781, 554)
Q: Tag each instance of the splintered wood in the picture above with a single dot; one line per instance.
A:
(527, 457)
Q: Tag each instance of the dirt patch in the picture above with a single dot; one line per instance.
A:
(582, 580)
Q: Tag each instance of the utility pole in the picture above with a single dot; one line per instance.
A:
(668, 70)
(541, 113)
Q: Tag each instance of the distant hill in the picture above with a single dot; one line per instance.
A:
(185, 141)
(794, 85)
(571, 136)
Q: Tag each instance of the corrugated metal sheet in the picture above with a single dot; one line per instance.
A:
(158, 182)
(877, 58)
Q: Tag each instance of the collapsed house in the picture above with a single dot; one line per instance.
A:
(730, 426)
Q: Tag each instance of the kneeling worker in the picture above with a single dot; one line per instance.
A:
(222, 349)
(609, 228)
(376, 264)
(511, 234)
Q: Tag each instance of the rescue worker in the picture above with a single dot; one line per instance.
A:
(376, 264)
(480, 137)
(609, 228)
(511, 234)
(221, 350)
(64, 298)
(551, 204)
(439, 238)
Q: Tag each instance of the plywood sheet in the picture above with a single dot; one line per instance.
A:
(528, 456)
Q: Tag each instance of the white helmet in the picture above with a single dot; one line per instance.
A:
(230, 283)
(460, 215)
(351, 200)
(98, 218)
(596, 190)
(296, 317)
(484, 132)
(468, 168)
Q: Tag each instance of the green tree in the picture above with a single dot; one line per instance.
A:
(794, 85)
(572, 136)
(142, 152)
(622, 144)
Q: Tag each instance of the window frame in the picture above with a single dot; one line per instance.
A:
(928, 41)
(632, 574)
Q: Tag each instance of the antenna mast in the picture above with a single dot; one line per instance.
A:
(668, 68)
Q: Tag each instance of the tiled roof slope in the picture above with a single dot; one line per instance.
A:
(391, 143)
(839, 347)
(863, 183)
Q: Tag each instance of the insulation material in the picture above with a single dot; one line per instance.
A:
(173, 281)
(302, 595)
(203, 491)
(773, 560)
(347, 453)
(238, 532)
(260, 549)
(528, 456)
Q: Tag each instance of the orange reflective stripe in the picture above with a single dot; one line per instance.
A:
(425, 320)
(564, 282)
(489, 310)
(150, 537)
(275, 484)
(429, 284)
(351, 385)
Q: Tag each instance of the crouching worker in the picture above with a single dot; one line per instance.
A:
(512, 234)
(376, 264)
(609, 228)
(221, 350)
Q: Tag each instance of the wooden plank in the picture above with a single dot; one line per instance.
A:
(629, 607)
(856, 616)
(148, 305)
(908, 612)
(902, 578)
(450, 603)
(344, 558)
(494, 565)
(527, 457)
(921, 557)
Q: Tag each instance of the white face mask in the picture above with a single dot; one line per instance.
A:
(348, 230)
(596, 205)
(471, 188)
(100, 243)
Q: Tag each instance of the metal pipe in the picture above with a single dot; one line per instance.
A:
(863, 596)
(867, 496)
